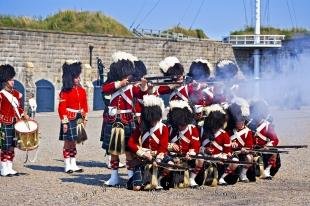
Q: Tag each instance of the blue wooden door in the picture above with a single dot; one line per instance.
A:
(97, 100)
(45, 96)
(20, 87)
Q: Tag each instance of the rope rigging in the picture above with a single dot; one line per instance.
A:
(245, 14)
(147, 14)
(138, 14)
(289, 11)
(267, 13)
(185, 12)
(197, 14)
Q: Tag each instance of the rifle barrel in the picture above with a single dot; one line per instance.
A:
(289, 146)
(269, 151)
(218, 159)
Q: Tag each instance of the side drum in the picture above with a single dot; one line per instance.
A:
(27, 135)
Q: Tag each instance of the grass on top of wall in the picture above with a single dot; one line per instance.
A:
(69, 21)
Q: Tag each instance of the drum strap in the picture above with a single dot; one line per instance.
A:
(13, 100)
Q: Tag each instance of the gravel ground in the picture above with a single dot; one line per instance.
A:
(45, 183)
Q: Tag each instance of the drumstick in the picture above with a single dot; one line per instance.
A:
(27, 124)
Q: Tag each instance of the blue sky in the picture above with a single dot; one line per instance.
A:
(216, 17)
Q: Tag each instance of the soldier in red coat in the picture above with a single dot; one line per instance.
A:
(149, 141)
(171, 66)
(72, 110)
(200, 71)
(240, 135)
(140, 72)
(215, 140)
(184, 136)
(264, 135)
(226, 72)
(11, 110)
(119, 119)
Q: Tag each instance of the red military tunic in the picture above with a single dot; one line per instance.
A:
(244, 138)
(180, 93)
(156, 139)
(121, 100)
(7, 113)
(202, 96)
(187, 139)
(220, 145)
(71, 102)
(266, 135)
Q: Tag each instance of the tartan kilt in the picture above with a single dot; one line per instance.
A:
(9, 139)
(106, 132)
(71, 134)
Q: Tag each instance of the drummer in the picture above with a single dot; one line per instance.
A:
(11, 110)
(72, 108)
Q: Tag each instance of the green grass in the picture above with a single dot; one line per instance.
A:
(69, 21)
(198, 33)
(289, 33)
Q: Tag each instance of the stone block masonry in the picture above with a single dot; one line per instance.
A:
(47, 51)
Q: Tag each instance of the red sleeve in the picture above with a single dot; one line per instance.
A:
(163, 145)
(84, 101)
(196, 141)
(109, 88)
(271, 134)
(137, 92)
(62, 107)
(164, 89)
(133, 140)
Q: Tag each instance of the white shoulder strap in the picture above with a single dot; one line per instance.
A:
(13, 100)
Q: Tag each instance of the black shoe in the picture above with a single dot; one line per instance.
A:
(69, 171)
(79, 170)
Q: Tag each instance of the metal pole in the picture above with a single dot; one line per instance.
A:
(90, 54)
(256, 53)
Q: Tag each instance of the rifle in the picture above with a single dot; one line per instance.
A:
(215, 159)
(288, 146)
(100, 81)
(265, 151)
(168, 166)
(188, 80)
(164, 165)
(157, 80)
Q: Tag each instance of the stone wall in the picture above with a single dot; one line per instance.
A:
(47, 51)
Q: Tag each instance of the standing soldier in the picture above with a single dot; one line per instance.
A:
(11, 110)
(119, 122)
(200, 71)
(72, 110)
(171, 67)
(226, 71)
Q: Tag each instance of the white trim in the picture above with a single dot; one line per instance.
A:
(178, 93)
(13, 101)
(121, 92)
(159, 125)
(219, 147)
